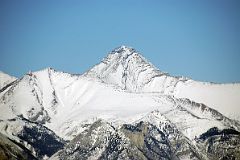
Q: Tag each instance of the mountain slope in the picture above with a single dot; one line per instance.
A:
(103, 141)
(38, 140)
(149, 140)
(56, 99)
(223, 97)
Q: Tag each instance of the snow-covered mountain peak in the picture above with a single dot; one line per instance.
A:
(126, 68)
(123, 50)
(123, 47)
(122, 55)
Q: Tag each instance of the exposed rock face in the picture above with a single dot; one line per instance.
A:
(39, 140)
(11, 150)
(220, 144)
(144, 140)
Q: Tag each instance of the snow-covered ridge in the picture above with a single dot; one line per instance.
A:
(5, 79)
(63, 102)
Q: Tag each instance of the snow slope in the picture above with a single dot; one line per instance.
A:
(223, 97)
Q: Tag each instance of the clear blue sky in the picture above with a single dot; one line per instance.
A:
(199, 39)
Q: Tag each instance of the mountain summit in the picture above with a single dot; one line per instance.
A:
(126, 68)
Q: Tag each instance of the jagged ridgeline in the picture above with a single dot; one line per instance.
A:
(122, 108)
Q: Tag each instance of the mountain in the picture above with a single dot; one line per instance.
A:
(123, 108)
(129, 70)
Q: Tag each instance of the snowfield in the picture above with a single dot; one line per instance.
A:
(223, 97)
